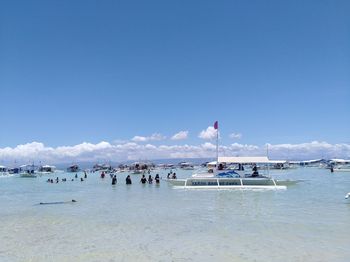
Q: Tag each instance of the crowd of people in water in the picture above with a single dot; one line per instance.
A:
(57, 180)
(128, 181)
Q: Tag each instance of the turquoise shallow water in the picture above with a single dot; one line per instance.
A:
(306, 222)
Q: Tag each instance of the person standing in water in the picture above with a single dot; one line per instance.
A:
(143, 179)
(128, 180)
(150, 179)
(114, 180)
(157, 178)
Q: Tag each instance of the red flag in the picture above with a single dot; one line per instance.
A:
(216, 125)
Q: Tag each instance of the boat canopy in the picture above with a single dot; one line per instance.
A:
(244, 159)
(47, 166)
(313, 161)
(339, 160)
(278, 161)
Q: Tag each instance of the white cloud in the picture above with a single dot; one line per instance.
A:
(209, 133)
(139, 139)
(208, 146)
(180, 136)
(105, 151)
(235, 135)
(153, 137)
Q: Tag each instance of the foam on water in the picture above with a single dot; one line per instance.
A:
(306, 222)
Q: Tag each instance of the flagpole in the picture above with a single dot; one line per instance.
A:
(217, 144)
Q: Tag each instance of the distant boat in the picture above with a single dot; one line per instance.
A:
(46, 169)
(105, 168)
(186, 166)
(14, 170)
(28, 171)
(279, 164)
(73, 169)
(3, 171)
(166, 166)
(141, 168)
(339, 165)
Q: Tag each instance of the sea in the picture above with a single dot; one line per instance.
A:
(310, 221)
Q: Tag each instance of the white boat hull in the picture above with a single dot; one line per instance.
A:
(228, 183)
(233, 187)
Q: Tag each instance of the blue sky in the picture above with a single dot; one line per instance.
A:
(75, 71)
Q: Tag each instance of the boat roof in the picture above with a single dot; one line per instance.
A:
(47, 166)
(243, 159)
(340, 160)
(306, 161)
(29, 165)
(278, 161)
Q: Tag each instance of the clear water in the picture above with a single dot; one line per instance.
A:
(306, 222)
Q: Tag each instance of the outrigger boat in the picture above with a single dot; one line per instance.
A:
(339, 165)
(46, 169)
(28, 171)
(3, 171)
(221, 178)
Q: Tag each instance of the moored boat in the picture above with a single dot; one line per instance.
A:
(46, 169)
(223, 178)
(28, 171)
(73, 168)
(3, 171)
(339, 165)
(186, 166)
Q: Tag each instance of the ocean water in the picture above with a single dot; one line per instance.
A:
(309, 221)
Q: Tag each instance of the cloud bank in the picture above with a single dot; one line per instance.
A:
(105, 151)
